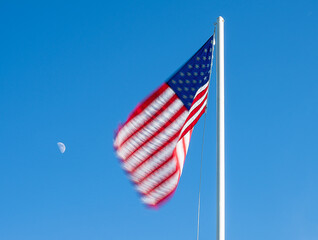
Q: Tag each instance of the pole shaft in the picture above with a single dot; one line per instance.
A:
(220, 153)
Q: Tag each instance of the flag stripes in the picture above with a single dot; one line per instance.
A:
(154, 141)
(197, 109)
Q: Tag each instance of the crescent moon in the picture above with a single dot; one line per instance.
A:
(61, 147)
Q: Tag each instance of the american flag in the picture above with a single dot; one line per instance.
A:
(152, 144)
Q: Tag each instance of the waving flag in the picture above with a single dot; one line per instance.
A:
(154, 141)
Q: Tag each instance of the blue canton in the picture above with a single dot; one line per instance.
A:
(193, 75)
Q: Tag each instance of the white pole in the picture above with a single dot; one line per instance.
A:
(220, 155)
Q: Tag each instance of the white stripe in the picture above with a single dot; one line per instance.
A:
(180, 153)
(147, 131)
(187, 138)
(162, 191)
(158, 141)
(181, 157)
(158, 176)
(153, 162)
(141, 118)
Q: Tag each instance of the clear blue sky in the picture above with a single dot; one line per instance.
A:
(72, 71)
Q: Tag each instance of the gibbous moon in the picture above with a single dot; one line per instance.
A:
(61, 147)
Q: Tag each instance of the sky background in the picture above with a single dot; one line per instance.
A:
(71, 71)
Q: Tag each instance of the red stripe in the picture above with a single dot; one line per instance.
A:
(160, 148)
(154, 170)
(176, 156)
(172, 119)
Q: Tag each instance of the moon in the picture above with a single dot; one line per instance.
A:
(61, 147)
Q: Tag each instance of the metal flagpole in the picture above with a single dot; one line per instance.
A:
(220, 154)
